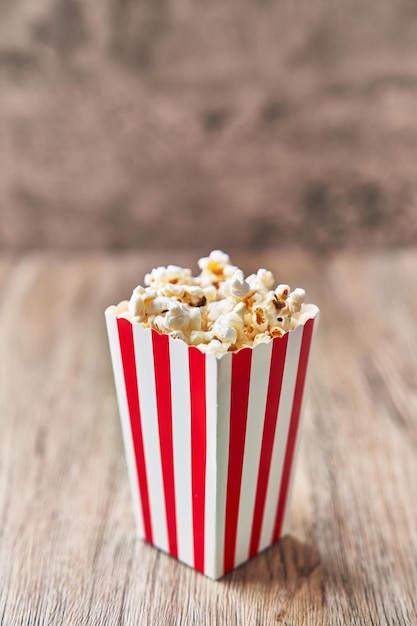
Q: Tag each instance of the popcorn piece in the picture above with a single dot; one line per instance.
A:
(235, 320)
(238, 286)
(157, 304)
(177, 317)
(199, 337)
(282, 292)
(299, 295)
(260, 319)
(172, 274)
(277, 332)
(215, 268)
(136, 306)
(190, 294)
(262, 338)
(220, 310)
(263, 280)
(215, 346)
(215, 262)
(195, 319)
(266, 278)
(177, 334)
(210, 293)
(295, 300)
(224, 332)
(158, 322)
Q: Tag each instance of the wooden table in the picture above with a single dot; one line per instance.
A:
(68, 552)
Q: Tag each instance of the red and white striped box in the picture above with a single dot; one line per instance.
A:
(210, 441)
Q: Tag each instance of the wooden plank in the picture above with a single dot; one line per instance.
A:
(68, 553)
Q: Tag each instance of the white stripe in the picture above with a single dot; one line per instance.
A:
(281, 434)
(211, 467)
(150, 431)
(299, 431)
(224, 376)
(258, 390)
(181, 434)
(116, 358)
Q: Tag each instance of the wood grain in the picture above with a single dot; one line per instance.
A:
(68, 552)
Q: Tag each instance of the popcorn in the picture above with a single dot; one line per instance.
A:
(214, 263)
(263, 280)
(224, 332)
(199, 337)
(295, 300)
(157, 304)
(219, 310)
(177, 317)
(136, 306)
(237, 285)
(282, 292)
(215, 268)
(172, 274)
(174, 351)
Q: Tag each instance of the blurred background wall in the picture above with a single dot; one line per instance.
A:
(142, 123)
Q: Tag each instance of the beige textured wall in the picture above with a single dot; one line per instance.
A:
(175, 122)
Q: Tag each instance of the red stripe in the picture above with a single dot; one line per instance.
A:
(279, 350)
(160, 344)
(294, 421)
(197, 366)
(129, 368)
(241, 366)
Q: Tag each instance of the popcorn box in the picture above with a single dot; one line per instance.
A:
(210, 441)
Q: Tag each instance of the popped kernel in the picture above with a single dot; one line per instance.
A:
(261, 338)
(136, 305)
(219, 310)
(282, 292)
(200, 336)
(215, 346)
(177, 317)
(237, 287)
(215, 262)
(172, 274)
(224, 332)
(157, 304)
(260, 316)
(295, 300)
(262, 281)
(215, 268)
